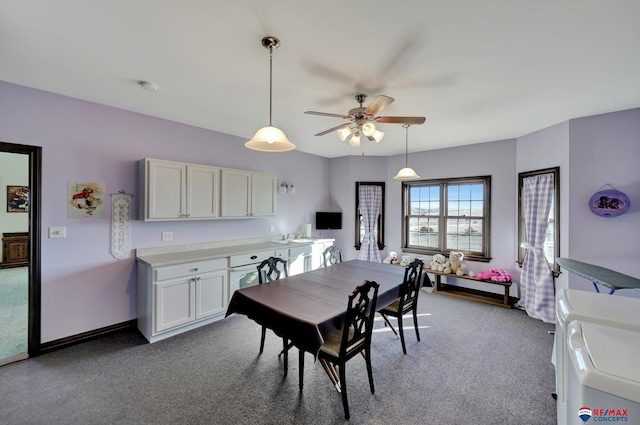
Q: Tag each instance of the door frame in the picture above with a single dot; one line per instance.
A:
(35, 222)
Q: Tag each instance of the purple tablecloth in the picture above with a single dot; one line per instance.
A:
(306, 307)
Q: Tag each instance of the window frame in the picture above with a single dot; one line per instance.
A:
(485, 255)
(380, 224)
(556, 219)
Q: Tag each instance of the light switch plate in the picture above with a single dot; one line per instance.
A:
(57, 232)
(167, 236)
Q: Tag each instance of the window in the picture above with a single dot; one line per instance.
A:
(551, 246)
(446, 215)
(379, 229)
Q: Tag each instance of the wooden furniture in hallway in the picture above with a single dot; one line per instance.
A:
(15, 249)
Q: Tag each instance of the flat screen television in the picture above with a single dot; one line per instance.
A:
(328, 220)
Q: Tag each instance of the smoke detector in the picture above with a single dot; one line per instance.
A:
(146, 85)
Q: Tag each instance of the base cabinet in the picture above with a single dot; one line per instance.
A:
(15, 249)
(174, 299)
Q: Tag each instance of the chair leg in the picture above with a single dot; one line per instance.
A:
(387, 322)
(264, 331)
(415, 323)
(369, 369)
(400, 328)
(301, 367)
(285, 349)
(343, 386)
(331, 372)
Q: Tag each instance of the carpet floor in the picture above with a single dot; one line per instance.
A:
(475, 364)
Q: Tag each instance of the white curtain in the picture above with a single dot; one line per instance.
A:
(370, 202)
(537, 295)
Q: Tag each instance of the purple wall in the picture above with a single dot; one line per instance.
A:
(605, 149)
(83, 286)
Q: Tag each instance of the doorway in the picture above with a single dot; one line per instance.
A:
(32, 271)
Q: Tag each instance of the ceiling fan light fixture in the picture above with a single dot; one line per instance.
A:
(368, 129)
(378, 135)
(270, 138)
(343, 133)
(355, 140)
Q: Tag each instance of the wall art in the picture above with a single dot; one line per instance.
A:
(17, 199)
(85, 200)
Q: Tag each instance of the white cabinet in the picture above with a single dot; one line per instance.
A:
(316, 256)
(247, 194)
(300, 259)
(176, 298)
(178, 191)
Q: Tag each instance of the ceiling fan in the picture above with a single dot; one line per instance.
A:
(361, 120)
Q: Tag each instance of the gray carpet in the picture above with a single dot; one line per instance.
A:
(476, 364)
(14, 290)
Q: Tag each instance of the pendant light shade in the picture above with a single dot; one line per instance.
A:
(270, 138)
(407, 173)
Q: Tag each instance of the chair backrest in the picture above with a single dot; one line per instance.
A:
(271, 269)
(332, 255)
(412, 283)
(358, 325)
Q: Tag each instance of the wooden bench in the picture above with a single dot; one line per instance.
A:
(472, 294)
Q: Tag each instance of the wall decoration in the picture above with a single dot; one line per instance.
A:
(609, 202)
(17, 199)
(85, 200)
(120, 224)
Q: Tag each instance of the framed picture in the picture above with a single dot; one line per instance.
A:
(17, 198)
(85, 200)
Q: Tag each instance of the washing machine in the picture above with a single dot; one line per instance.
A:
(603, 374)
(592, 307)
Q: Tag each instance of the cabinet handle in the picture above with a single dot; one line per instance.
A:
(194, 270)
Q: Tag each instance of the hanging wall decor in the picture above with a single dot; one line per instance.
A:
(17, 199)
(609, 202)
(120, 224)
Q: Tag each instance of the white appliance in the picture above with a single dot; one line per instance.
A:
(603, 374)
(576, 305)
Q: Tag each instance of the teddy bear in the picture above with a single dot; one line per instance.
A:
(439, 263)
(406, 260)
(392, 258)
(455, 263)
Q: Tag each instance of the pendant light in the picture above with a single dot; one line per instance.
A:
(270, 139)
(407, 173)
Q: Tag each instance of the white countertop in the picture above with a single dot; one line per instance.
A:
(176, 254)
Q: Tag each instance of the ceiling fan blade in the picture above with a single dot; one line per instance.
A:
(401, 120)
(326, 114)
(378, 104)
(338, 127)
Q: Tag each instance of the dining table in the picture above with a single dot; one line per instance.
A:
(307, 307)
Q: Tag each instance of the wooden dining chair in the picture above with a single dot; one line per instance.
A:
(332, 255)
(353, 339)
(408, 301)
(271, 270)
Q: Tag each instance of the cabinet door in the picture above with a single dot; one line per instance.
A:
(174, 304)
(263, 194)
(202, 191)
(211, 294)
(235, 193)
(166, 190)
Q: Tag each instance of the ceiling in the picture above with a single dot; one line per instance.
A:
(478, 70)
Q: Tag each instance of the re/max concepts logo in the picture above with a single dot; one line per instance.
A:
(603, 415)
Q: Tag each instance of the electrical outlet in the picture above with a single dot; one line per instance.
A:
(57, 232)
(167, 236)
(272, 228)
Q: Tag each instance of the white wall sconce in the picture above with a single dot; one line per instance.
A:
(287, 188)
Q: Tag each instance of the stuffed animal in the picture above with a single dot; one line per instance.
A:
(456, 264)
(438, 263)
(406, 260)
(392, 258)
(495, 275)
